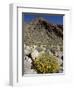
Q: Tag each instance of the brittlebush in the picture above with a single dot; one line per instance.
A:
(46, 63)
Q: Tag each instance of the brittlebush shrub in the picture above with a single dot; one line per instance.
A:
(46, 63)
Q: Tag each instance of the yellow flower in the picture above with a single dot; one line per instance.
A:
(46, 63)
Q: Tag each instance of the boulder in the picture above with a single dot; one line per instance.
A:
(27, 50)
(27, 62)
(35, 54)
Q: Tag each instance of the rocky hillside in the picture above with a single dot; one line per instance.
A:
(41, 32)
(43, 47)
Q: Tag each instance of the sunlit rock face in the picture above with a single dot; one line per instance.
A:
(27, 66)
(35, 54)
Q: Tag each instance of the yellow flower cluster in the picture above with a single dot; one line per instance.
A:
(46, 63)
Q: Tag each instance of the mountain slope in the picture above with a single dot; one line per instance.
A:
(41, 32)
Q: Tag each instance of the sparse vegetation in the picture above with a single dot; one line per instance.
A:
(40, 32)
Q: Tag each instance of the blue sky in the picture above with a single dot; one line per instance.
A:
(55, 19)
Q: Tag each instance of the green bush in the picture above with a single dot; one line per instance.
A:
(46, 63)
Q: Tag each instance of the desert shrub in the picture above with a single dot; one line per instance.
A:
(46, 63)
